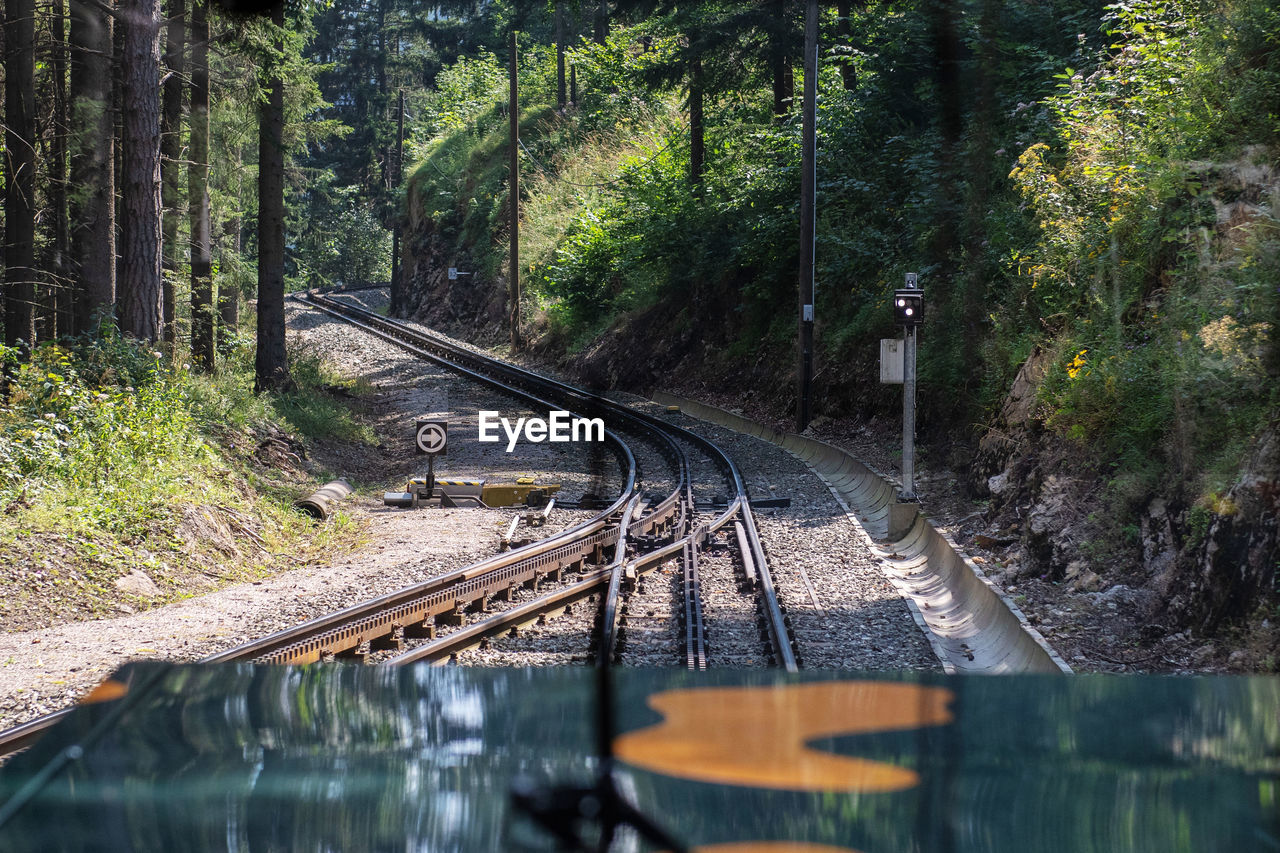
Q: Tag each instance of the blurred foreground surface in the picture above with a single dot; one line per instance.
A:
(241, 757)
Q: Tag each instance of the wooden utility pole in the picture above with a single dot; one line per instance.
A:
(808, 217)
(396, 295)
(514, 175)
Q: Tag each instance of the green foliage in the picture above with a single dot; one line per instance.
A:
(339, 240)
(97, 424)
(465, 91)
(312, 410)
(1163, 338)
(106, 433)
(611, 75)
(1067, 198)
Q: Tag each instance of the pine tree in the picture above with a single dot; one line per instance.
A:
(140, 274)
(170, 154)
(202, 297)
(92, 202)
(271, 366)
(19, 172)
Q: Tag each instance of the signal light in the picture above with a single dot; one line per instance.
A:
(908, 307)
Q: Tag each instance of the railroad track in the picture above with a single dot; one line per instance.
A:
(603, 556)
(634, 540)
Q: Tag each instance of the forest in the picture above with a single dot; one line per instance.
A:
(1087, 190)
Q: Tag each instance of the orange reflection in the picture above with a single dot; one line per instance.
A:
(105, 692)
(772, 847)
(757, 736)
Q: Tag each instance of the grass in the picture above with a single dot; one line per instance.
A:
(112, 461)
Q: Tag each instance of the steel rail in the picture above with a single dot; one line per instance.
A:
(22, 736)
(507, 377)
(367, 622)
(739, 505)
(608, 646)
(410, 608)
(414, 607)
(472, 635)
(695, 640)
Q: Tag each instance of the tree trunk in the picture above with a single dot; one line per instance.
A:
(385, 184)
(229, 297)
(561, 97)
(844, 34)
(780, 63)
(19, 172)
(979, 179)
(62, 323)
(170, 154)
(271, 366)
(202, 298)
(601, 23)
(697, 142)
(140, 275)
(93, 212)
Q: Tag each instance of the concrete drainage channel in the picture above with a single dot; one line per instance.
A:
(973, 626)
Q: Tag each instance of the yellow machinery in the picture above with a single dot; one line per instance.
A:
(445, 492)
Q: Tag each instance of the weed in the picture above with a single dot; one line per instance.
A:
(106, 452)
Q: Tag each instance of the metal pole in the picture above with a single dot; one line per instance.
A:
(909, 416)
(514, 173)
(808, 216)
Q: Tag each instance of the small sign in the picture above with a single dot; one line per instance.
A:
(432, 437)
(892, 361)
(453, 273)
(808, 313)
(912, 280)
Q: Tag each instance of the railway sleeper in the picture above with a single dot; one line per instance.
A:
(455, 618)
(393, 642)
(424, 630)
(360, 652)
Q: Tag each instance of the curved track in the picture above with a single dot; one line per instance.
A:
(644, 537)
(626, 539)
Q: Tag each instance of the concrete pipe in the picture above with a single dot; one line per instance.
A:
(322, 503)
